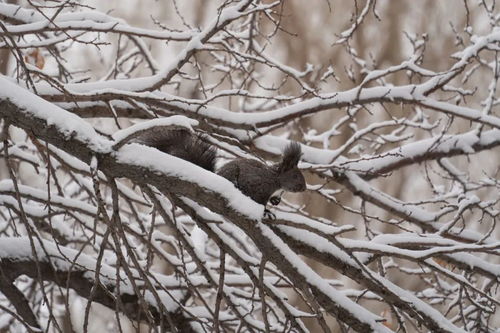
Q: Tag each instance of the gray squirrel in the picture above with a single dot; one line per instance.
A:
(253, 178)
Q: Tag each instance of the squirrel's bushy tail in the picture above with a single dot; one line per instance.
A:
(186, 145)
(291, 157)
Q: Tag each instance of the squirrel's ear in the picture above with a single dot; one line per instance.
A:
(291, 156)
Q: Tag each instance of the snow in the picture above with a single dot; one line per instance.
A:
(199, 239)
(461, 111)
(151, 158)
(134, 154)
(131, 87)
(393, 204)
(66, 259)
(315, 280)
(420, 305)
(476, 262)
(322, 245)
(143, 126)
(7, 185)
(81, 21)
(67, 123)
(445, 248)
(411, 151)
(19, 13)
(15, 150)
(233, 237)
(299, 221)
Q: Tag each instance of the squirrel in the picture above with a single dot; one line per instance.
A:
(253, 178)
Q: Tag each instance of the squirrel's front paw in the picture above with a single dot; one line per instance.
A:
(275, 200)
(269, 215)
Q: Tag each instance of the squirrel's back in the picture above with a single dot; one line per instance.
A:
(183, 144)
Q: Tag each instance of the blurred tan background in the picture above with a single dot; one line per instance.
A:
(310, 29)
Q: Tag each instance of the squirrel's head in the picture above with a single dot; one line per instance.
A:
(290, 177)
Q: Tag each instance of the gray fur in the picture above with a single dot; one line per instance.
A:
(291, 157)
(255, 179)
(259, 181)
(183, 144)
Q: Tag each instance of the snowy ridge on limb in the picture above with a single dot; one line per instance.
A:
(125, 135)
